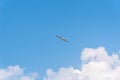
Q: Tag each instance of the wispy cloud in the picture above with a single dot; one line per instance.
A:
(96, 65)
(15, 73)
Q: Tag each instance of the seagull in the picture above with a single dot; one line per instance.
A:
(61, 38)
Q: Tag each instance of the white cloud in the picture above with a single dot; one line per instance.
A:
(15, 73)
(96, 65)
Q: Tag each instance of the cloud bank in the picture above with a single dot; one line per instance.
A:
(96, 65)
(15, 73)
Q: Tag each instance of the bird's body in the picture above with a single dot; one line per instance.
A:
(62, 38)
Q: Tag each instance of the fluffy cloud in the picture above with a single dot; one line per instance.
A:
(96, 65)
(15, 73)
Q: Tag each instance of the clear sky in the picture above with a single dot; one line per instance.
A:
(28, 29)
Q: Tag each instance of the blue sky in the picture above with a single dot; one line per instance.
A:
(28, 29)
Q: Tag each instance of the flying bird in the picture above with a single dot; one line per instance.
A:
(61, 38)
